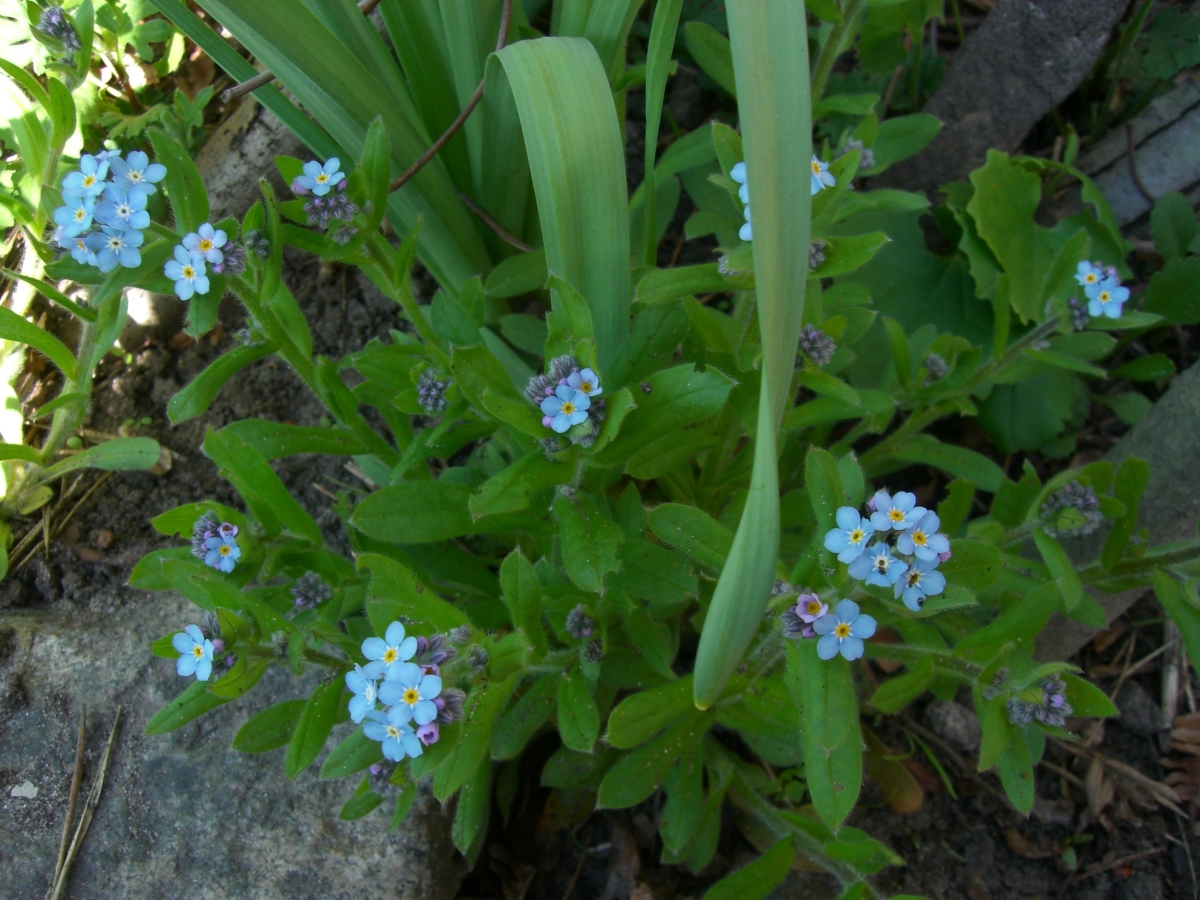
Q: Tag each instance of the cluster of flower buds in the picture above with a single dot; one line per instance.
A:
(55, 23)
(1105, 296)
(909, 565)
(103, 216)
(403, 674)
(1045, 702)
(325, 185)
(1071, 511)
(215, 542)
(568, 395)
(431, 392)
(309, 591)
(816, 345)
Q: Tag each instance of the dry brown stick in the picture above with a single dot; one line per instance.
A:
(435, 148)
(76, 778)
(253, 84)
(510, 239)
(62, 522)
(89, 809)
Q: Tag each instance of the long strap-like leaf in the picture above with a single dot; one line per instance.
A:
(770, 56)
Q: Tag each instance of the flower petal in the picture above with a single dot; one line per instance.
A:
(374, 648)
(186, 665)
(406, 673)
(203, 669)
(394, 634)
(390, 692)
(430, 687)
(852, 648)
(424, 712)
(836, 540)
(846, 610)
(827, 647)
(825, 624)
(863, 626)
(183, 643)
(848, 518)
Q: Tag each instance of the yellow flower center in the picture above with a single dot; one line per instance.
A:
(80, 214)
(1091, 278)
(856, 535)
(1105, 296)
(585, 386)
(134, 175)
(89, 180)
(568, 408)
(813, 607)
(411, 696)
(816, 167)
(393, 731)
(914, 578)
(322, 178)
(919, 538)
(390, 655)
(225, 549)
(198, 651)
(843, 630)
(896, 516)
(189, 273)
(205, 245)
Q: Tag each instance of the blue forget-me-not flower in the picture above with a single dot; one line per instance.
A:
(207, 241)
(75, 215)
(1087, 273)
(88, 180)
(1106, 297)
(920, 581)
(388, 652)
(849, 539)
(187, 271)
(922, 540)
(878, 566)
(223, 553)
(319, 179)
(365, 693)
(113, 246)
(586, 382)
(843, 631)
(195, 653)
(566, 408)
(409, 688)
(394, 732)
(898, 513)
(123, 209)
(821, 176)
(136, 172)
(738, 174)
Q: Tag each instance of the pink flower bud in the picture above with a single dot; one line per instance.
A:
(546, 421)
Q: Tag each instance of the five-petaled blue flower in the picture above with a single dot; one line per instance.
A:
(1087, 274)
(393, 730)
(81, 252)
(187, 271)
(207, 241)
(920, 581)
(586, 382)
(123, 209)
(390, 651)
(898, 513)
(1106, 297)
(223, 553)
(843, 631)
(849, 539)
(566, 408)
(88, 181)
(195, 653)
(113, 246)
(365, 693)
(136, 173)
(75, 217)
(408, 687)
(821, 177)
(319, 179)
(922, 540)
(878, 566)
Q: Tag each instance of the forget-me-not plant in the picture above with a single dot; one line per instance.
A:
(843, 631)
(87, 180)
(922, 540)
(586, 382)
(898, 513)
(195, 653)
(320, 179)
(920, 581)
(136, 172)
(365, 692)
(566, 408)
(188, 273)
(123, 209)
(850, 538)
(391, 651)
(410, 689)
(223, 553)
(821, 176)
(878, 566)
(114, 247)
(207, 241)
(394, 732)
(1106, 298)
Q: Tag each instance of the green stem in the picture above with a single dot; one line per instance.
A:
(403, 295)
(324, 659)
(838, 43)
(952, 665)
(1146, 563)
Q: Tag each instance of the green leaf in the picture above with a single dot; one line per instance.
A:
(1061, 568)
(244, 675)
(657, 575)
(360, 804)
(396, 594)
(522, 720)
(635, 777)
(658, 62)
(313, 727)
(1016, 772)
(518, 275)
(959, 461)
(1018, 626)
(1132, 477)
(118, 455)
(270, 729)
(693, 532)
(1173, 226)
(640, 716)
(896, 693)
(824, 689)
(1181, 606)
(757, 880)
(712, 53)
(512, 488)
(953, 511)
(16, 328)
(1146, 368)
(523, 597)
(1086, 699)
(996, 729)
(1174, 292)
(589, 542)
(352, 755)
(578, 718)
(472, 812)
(845, 254)
(657, 331)
(20, 451)
(415, 512)
(275, 440)
(200, 392)
(183, 184)
(974, 565)
(193, 702)
(1064, 361)
(903, 136)
(664, 285)
(576, 154)
(824, 486)
(481, 708)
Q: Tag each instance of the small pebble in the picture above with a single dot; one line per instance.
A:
(26, 790)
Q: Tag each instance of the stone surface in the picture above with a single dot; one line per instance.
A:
(183, 814)
(1166, 439)
(955, 723)
(1025, 59)
(1139, 711)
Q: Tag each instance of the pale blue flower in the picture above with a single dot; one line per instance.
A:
(586, 382)
(878, 566)
(898, 513)
(566, 408)
(922, 540)
(187, 271)
(136, 173)
(123, 209)
(88, 180)
(850, 538)
(1087, 274)
(408, 687)
(81, 251)
(1106, 297)
(365, 693)
(223, 553)
(195, 653)
(843, 631)
(390, 651)
(738, 174)
(114, 247)
(821, 176)
(920, 581)
(319, 179)
(394, 732)
(75, 216)
(207, 241)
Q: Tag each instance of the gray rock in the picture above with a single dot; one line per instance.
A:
(1139, 713)
(1139, 886)
(954, 722)
(182, 814)
(1025, 59)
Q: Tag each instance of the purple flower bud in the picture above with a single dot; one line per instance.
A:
(546, 420)
(298, 189)
(428, 733)
(431, 392)
(450, 705)
(942, 557)
(579, 624)
(226, 529)
(218, 645)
